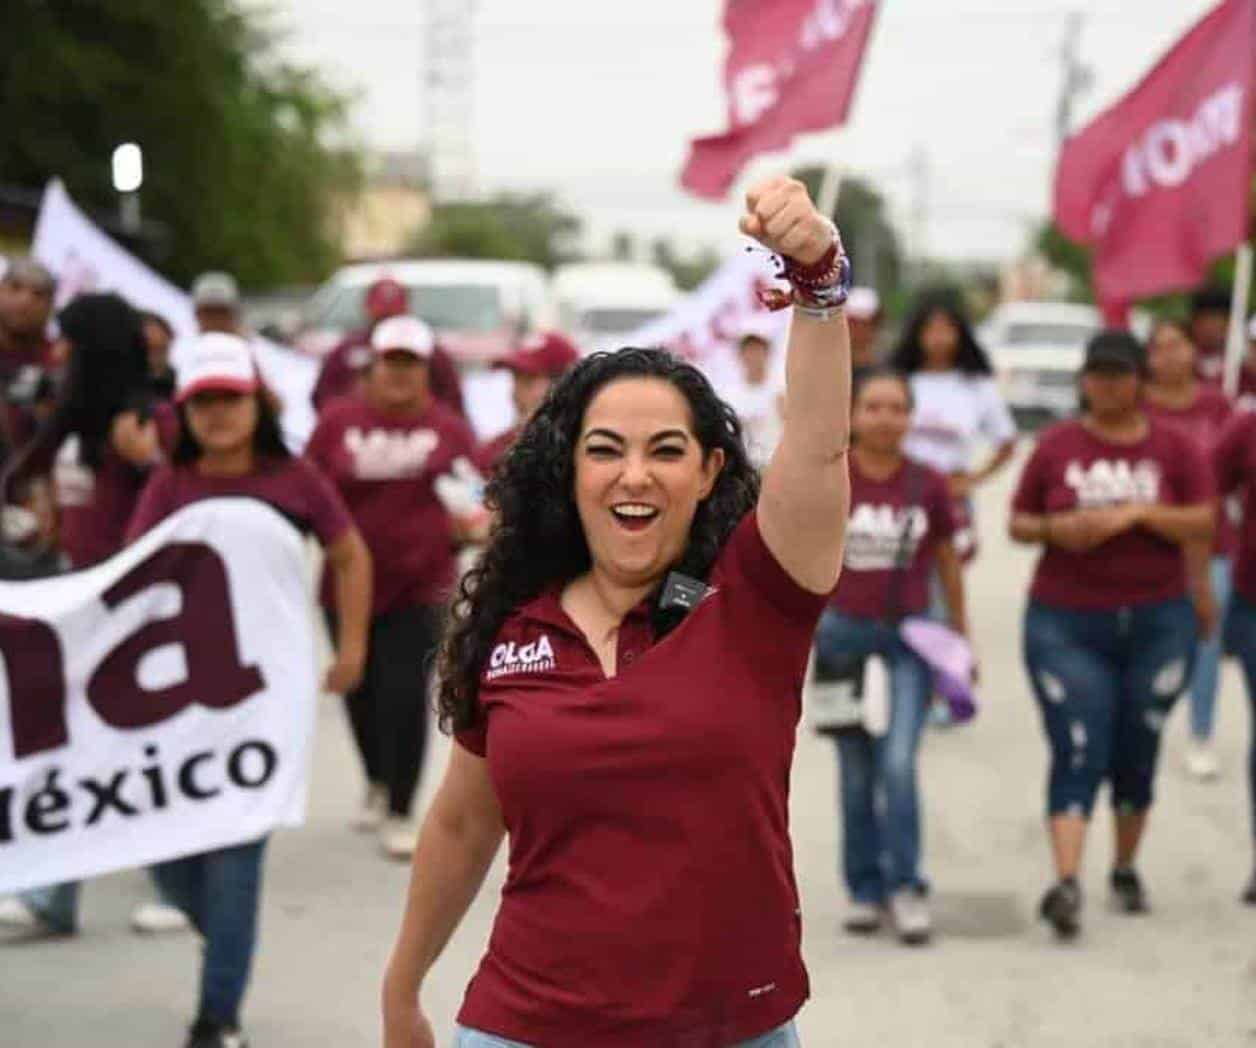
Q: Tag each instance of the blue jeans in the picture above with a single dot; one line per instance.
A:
(1105, 682)
(783, 1037)
(1241, 639)
(880, 799)
(1205, 680)
(219, 891)
(57, 905)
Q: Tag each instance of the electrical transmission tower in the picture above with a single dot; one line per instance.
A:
(449, 96)
(1076, 77)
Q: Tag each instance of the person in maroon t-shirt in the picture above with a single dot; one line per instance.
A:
(534, 366)
(1175, 395)
(1235, 462)
(384, 450)
(623, 676)
(229, 444)
(1110, 633)
(901, 528)
(345, 365)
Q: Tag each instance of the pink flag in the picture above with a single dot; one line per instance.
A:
(1159, 183)
(792, 67)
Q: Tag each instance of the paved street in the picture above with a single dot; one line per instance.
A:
(1184, 977)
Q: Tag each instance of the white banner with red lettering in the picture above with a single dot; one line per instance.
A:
(85, 259)
(159, 704)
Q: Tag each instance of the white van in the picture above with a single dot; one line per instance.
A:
(1036, 349)
(478, 309)
(600, 303)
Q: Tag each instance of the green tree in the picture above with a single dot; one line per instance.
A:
(687, 270)
(1068, 257)
(531, 227)
(874, 244)
(240, 165)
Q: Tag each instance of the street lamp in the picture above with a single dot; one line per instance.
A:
(128, 176)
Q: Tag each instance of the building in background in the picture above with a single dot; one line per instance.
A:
(394, 203)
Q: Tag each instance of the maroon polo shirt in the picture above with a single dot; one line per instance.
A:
(1073, 468)
(651, 896)
(902, 517)
(385, 468)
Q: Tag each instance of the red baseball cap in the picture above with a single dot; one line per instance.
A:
(386, 298)
(547, 353)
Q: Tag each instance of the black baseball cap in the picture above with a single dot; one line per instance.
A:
(1115, 351)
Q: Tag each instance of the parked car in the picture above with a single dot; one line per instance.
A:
(600, 303)
(478, 309)
(1036, 349)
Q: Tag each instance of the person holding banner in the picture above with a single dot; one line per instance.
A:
(100, 443)
(623, 677)
(384, 450)
(900, 532)
(1177, 396)
(1110, 633)
(229, 445)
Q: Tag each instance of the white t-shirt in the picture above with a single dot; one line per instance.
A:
(758, 407)
(954, 414)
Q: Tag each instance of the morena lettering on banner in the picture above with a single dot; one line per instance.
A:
(158, 704)
(203, 628)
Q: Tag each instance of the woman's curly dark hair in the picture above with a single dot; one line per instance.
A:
(538, 542)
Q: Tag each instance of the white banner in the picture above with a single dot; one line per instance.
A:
(705, 326)
(158, 704)
(85, 259)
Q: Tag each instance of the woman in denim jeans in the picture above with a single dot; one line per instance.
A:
(1235, 464)
(901, 526)
(1110, 635)
(229, 444)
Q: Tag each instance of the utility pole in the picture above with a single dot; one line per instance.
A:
(1076, 77)
(920, 172)
(449, 97)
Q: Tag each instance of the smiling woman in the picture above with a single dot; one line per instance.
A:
(623, 676)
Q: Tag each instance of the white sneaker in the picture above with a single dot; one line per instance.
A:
(17, 916)
(398, 837)
(156, 918)
(1201, 761)
(909, 910)
(374, 807)
(863, 918)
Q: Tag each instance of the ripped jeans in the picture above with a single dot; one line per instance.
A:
(1105, 682)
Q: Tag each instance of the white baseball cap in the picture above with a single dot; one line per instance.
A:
(218, 362)
(408, 334)
(215, 291)
(863, 303)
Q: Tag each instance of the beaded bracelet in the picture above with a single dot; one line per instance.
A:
(817, 290)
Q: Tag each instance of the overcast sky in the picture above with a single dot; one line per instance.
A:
(597, 100)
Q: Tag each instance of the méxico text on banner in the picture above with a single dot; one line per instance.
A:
(158, 704)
